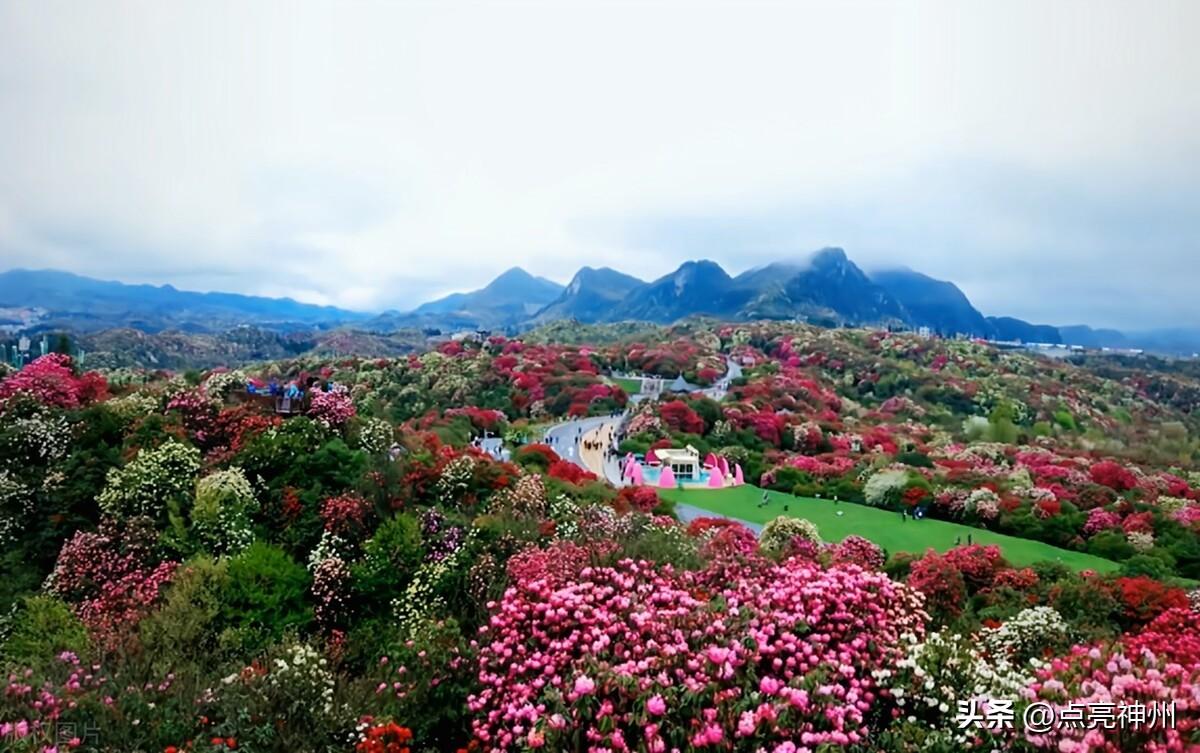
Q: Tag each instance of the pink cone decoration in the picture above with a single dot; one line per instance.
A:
(651, 456)
(635, 474)
(724, 466)
(738, 478)
(716, 480)
(710, 460)
(666, 479)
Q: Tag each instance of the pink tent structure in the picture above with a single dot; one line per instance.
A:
(666, 479)
(738, 478)
(724, 466)
(651, 456)
(715, 479)
(710, 460)
(627, 468)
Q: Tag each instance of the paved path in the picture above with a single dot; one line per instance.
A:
(568, 437)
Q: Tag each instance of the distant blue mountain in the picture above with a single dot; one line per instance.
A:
(84, 303)
(825, 287)
(936, 304)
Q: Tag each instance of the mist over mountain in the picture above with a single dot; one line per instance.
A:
(825, 288)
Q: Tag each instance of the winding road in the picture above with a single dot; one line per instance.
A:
(568, 438)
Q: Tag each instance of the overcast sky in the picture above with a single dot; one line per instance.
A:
(1045, 156)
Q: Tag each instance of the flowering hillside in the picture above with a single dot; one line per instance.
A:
(191, 566)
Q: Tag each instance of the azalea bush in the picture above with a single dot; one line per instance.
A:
(730, 668)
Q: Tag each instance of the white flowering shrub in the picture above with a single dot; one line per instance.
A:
(133, 406)
(222, 509)
(780, 532)
(455, 480)
(983, 502)
(1027, 635)
(16, 505)
(1141, 541)
(302, 676)
(416, 608)
(375, 435)
(150, 481)
(884, 487)
(331, 546)
(219, 384)
(40, 436)
(946, 668)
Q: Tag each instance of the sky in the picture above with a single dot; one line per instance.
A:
(1043, 156)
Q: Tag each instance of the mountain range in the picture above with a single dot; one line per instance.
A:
(827, 288)
(83, 304)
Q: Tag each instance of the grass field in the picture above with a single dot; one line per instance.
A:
(631, 386)
(883, 527)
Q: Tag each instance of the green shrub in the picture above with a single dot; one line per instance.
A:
(265, 597)
(42, 628)
(185, 629)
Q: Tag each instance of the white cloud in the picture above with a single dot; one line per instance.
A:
(375, 154)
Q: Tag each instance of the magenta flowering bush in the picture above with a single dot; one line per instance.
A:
(640, 657)
(50, 381)
(331, 409)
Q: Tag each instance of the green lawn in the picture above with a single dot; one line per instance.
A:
(631, 386)
(881, 526)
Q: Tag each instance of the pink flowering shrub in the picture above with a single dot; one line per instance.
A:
(635, 657)
(554, 566)
(331, 409)
(111, 578)
(50, 381)
(858, 551)
(1116, 676)
(1099, 520)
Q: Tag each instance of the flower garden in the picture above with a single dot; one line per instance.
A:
(186, 570)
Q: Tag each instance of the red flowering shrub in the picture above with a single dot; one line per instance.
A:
(556, 565)
(1172, 636)
(856, 550)
(1138, 522)
(977, 563)
(1021, 579)
(386, 738)
(680, 417)
(640, 498)
(943, 585)
(704, 525)
(569, 472)
(345, 515)
(111, 578)
(1144, 598)
(1113, 475)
